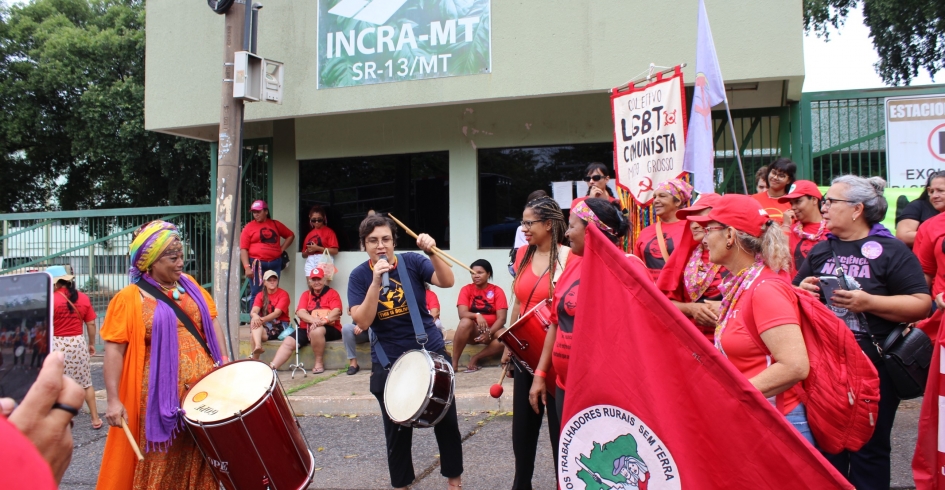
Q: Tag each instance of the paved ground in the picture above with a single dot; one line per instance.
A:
(349, 449)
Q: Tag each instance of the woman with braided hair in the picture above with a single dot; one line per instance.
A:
(606, 216)
(539, 264)
(150, 359)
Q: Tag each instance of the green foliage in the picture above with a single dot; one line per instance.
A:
(72, 113)
(908, 34)
(90, 286)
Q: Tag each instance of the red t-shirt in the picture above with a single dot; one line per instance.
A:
(486, 301)
(647, 246)
(773, 304)
(279, 299)
(928, 248)
(262, 239)
(528, 282)
(432, 300)
(774, 208)
(328, 300)
(68, 323)
(23, 466)
(323, 237)
(563, 310)
(800, 247)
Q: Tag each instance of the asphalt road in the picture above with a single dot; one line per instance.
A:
(349, 452)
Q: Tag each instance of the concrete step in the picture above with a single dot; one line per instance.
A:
(337, 358)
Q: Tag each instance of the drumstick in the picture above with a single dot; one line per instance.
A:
(131, 440)
(443, 255)
(505, 371)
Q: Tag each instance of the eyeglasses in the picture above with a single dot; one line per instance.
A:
(528, 223)
(828, 201)
(317, 220)
(595, 178)
(777, 175)
(714, 228)
(387, 240)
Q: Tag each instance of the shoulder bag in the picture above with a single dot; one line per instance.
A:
(906, 352)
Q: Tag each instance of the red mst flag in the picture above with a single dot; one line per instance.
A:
(650, 404)
(928, 463)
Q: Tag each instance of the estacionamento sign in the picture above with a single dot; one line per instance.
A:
(363, 42)
(915, 139)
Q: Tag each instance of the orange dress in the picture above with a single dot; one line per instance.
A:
(128, 321)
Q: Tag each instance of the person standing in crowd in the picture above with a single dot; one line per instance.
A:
(539, 264)
(808, 227)
(761, 177)
(483, 308)
(147, 348)
(606, 216)
(758, 302)
(320, 239)
(596, 177)
(270, 314)
(780, 179)
(72, 311)
(885, 287)
(656, 242)
(520, 240)
(387, 314)
(260, 248)
(690, 280)
(319, 311)
(929, 204)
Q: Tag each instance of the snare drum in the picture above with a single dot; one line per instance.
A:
(240, 417)
(419, 389)
(526, 337)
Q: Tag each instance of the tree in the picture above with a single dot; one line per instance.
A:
(72, 113)
(907, 34)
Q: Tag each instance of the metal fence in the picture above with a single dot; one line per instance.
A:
(760, 136)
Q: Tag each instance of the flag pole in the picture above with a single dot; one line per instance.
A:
(738, 154)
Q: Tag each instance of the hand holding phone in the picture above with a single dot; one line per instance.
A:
(829, 284)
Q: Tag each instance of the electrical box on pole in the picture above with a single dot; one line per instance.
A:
(248, 76)
(274, 73)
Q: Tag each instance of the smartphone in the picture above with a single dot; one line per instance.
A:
(26, 330)
(829, 284)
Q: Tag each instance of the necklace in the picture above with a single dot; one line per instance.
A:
(799, 231)
(176, 288)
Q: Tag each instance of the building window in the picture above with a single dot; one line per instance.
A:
(413, 187)
(507, 176)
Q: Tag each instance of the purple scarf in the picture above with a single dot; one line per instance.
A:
(877, 230)
(162, 417)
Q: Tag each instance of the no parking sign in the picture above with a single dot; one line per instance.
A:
(915, 138)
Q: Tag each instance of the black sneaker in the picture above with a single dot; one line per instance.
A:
(353, 370)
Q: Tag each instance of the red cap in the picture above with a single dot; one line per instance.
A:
(705, 201)
(801, 188)
(259, 205)
(739, 211)
(317, 272)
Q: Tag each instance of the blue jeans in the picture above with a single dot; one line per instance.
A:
(260, 268)
(798, 418)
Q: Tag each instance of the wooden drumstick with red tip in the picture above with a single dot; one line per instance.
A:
(496, 390)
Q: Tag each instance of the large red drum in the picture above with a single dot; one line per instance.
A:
(243, 424)
(526, 337)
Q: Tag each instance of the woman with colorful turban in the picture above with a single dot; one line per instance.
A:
(656, 242)
(150, 357)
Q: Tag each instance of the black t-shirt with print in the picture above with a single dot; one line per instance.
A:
(392, 324)
(882, 266)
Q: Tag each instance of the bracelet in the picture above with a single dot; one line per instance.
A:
(540, 373)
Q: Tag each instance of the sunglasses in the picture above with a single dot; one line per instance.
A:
(595, 178)
(317, 220)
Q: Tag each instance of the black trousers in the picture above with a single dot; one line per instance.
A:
(869, 468)
(400, 438)
(526, 426)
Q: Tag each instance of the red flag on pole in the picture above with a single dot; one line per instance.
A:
(928, 463)
(651, 405)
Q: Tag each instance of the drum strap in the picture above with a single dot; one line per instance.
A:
(186, 320)
(414, 310)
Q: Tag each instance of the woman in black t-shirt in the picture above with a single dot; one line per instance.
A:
(887, 287)
(929, 204)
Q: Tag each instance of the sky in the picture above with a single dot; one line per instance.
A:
(846, 61)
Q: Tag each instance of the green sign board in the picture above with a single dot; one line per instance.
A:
(362, 42)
